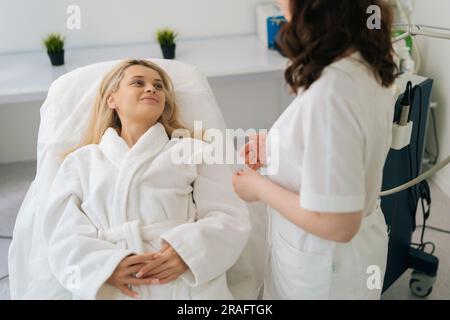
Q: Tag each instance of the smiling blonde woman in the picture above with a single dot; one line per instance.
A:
(126, 219)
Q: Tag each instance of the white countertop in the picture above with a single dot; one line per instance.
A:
(26, 77)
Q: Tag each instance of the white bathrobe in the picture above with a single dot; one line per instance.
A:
(109, 201)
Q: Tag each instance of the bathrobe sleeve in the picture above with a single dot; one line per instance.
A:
(79, 260)
(211, 245)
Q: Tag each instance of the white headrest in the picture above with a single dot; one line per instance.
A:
(65, 112)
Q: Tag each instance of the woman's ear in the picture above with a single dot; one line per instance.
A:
(111, 102)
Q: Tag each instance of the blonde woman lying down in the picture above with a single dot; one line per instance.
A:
(124, 220)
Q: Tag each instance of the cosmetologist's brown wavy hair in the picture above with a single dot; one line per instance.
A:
(321, 31)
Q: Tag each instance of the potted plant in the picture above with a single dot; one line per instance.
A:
(54, 43)
(166, 38)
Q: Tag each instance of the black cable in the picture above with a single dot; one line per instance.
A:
(418, 130)
(434, 228)
(422, 233)
(422, 246)
(424, 214)
(4, 277)
(408, 99)
(436, 139)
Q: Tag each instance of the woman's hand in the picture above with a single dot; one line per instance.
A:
(165, 267)
(123, 276)
(254, 151)
(247, 184)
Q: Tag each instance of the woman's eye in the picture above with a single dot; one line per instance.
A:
(138, 82)
(158, 86)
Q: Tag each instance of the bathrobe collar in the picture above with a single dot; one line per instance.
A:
(116, 149)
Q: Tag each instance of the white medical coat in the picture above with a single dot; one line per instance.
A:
(333, 143)
(109, 201)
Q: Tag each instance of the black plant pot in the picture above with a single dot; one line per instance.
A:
(57, 58)
(169, 51)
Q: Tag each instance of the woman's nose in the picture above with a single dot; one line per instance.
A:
(151, 89)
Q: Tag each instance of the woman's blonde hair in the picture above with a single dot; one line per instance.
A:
(103, 117)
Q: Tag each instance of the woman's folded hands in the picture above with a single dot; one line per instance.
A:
(147, 269)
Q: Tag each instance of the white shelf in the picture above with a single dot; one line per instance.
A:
(26, 77)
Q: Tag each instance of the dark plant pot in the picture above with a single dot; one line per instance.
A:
(57, 58)
(169, 51)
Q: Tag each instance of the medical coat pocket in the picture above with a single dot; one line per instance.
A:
(298, 274)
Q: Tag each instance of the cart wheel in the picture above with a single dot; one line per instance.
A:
(421, 284)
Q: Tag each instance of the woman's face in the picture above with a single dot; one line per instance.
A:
(285, 8)
(140, 98)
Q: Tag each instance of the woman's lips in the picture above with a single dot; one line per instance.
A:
(151, 98)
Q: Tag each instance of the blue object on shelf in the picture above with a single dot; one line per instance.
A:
(273, 26)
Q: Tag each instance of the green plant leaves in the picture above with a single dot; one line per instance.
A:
(54, 42)
(166, 37)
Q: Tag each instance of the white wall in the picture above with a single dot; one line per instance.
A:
(23, 23)
(435, 57)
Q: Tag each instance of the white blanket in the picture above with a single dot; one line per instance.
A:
(108, 201)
